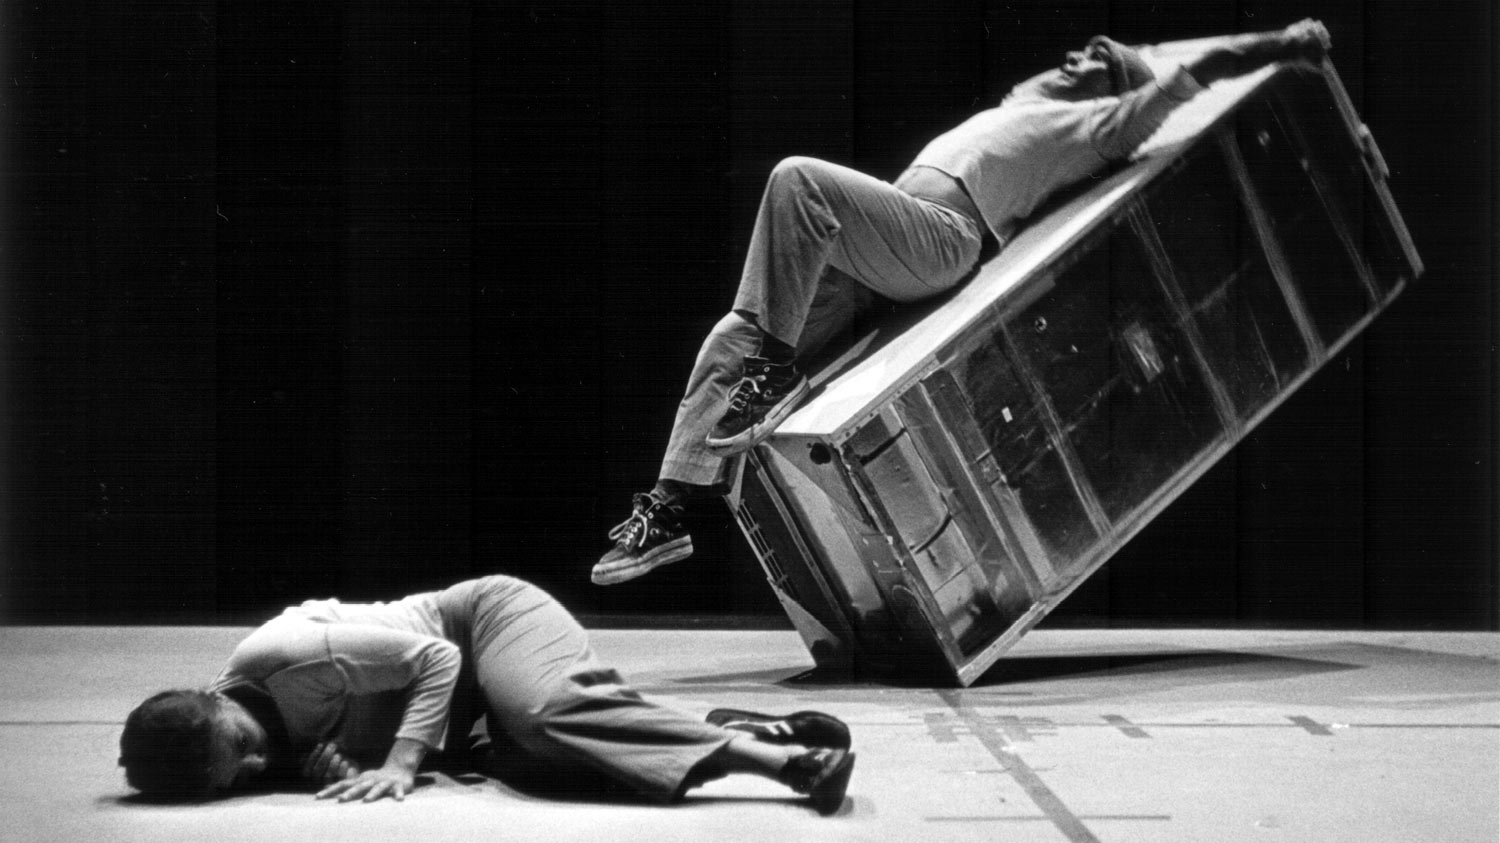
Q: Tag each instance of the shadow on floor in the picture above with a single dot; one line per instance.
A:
(1172, 669)
(1203, 666)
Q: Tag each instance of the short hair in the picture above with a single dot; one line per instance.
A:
(1127, 70)
(167, 746)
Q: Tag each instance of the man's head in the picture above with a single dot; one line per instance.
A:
(1103, 68)
(190, 744)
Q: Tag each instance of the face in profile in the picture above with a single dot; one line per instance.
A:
(237, 750)
(1087, 71)
(1084, 74)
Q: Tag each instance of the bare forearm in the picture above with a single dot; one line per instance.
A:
(406, 755)
(1302, 41)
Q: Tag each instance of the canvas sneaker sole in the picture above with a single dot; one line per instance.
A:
(613, 571)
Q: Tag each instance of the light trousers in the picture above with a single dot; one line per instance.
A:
(829, 244)
(529, 668)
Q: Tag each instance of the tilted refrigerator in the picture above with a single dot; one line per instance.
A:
(953, 477)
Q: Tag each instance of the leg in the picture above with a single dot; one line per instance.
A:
(828, 242)
(654, 534)
(551, 697)
(879, 242)
(821, 773)
(715, 372)
(815, 214)
(555, 701)
(838, 301)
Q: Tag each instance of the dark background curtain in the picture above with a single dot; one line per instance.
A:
(308, 299)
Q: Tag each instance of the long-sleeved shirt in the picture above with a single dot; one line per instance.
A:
(1012, 157)
(362, 674)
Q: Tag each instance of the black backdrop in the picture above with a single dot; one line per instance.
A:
(306, 298)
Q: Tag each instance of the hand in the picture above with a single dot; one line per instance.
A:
(1310, 38)
(371, 785)
(327, 764)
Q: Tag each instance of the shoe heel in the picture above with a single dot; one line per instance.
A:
(828, 795)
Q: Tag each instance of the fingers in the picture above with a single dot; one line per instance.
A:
(366, 788)
(334, 789)
(318, 762)
(377, 790)
(326, 764)
(372, 791)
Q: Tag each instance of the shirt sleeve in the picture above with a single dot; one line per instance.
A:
(1120, 125)
(310, 665)
(372, 659)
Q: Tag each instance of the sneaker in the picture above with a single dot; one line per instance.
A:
(807, 728)
(766, 394)
(822, 774)
(652, 536)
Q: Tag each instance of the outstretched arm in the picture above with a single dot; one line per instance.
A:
(1306, 40)
(1121, 125)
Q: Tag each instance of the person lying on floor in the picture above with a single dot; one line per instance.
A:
(353, 697)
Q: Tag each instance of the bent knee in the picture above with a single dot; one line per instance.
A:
(799, 170)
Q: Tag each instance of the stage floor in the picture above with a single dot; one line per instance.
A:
(1134, 735)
